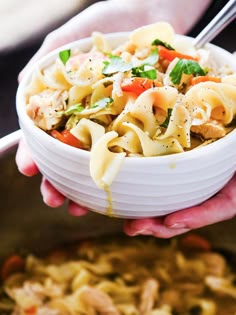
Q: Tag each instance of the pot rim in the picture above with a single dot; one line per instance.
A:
(9, 141)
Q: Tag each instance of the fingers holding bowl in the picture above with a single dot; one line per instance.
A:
(219, 208)
(24, 162)
(51, 196)
(76, 210)
(152, 226)
(54, 199)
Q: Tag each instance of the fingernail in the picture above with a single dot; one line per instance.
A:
(139, 232)
(178, 225)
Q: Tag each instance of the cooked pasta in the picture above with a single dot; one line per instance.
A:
(153, 95)
(122, 276)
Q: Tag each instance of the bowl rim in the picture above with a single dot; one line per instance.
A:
(214, 147)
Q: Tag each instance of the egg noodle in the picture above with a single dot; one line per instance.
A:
(152, 95)
(129, 276)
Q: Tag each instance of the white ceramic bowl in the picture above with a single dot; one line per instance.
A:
(144, 187)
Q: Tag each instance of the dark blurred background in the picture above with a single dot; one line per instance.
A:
(14, 59)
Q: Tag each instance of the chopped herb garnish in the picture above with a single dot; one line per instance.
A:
(142, 73)
(166, 122)
(72, 121)
(160, 42)
(144, 70)
(102, 103)
(116, 64)
(184, 66)
(74, 109)
(64, 55)
(206, 70)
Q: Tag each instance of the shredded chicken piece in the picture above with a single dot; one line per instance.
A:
(100, 301)
(48, 311)
(221, 285)
(45, 108)
(149, 295)
(210, 130)
(31, 294)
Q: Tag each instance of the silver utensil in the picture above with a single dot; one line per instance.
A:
(219, 22)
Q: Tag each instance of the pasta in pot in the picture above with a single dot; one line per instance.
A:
(150, 96)
(122, 276)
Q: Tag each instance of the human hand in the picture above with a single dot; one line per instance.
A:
(119, 15)
(50, 195)
(219, 208)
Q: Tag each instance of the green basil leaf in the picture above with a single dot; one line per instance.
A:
(166, 122)
(102, 103)
(116, 64)
(64, 55)
(184, 66)
(74, 109)
(141, 72)
(160, 42)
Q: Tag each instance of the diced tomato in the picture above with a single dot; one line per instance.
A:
(138, 85)
(202, 78)
(195, 242)
(12, 265)
(31, 310)
(172, 54)
(66, 137)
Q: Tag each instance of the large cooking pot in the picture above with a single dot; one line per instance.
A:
(28, 225)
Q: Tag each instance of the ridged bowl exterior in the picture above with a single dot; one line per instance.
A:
(144, 187)
(29, 226)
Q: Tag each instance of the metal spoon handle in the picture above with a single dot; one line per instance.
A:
(220, 21)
